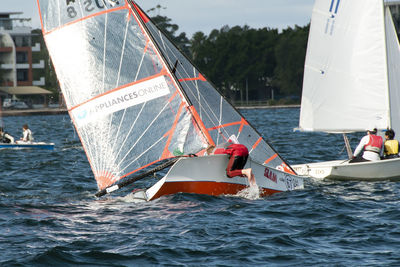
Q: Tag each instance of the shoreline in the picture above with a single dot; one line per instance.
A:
(56, 111)
(268, 106)
(31, 112)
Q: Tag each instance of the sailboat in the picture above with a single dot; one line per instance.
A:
(20, 144)
(351, 82)
(139, 105)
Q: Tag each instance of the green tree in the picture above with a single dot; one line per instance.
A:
(48, 72)
(290, 51)
(170, 29)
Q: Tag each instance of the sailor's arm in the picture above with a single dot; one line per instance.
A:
(10, 137)
(361, 145)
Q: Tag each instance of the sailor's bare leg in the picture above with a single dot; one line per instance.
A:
(250, 176)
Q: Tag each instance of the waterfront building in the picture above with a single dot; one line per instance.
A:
(17, 67)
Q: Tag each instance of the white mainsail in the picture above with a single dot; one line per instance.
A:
(134, 98)
(350, 81)
(393, 60)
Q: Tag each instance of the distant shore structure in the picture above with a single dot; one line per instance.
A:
(19, 75)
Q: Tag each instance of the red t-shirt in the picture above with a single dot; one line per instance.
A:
(233, 150)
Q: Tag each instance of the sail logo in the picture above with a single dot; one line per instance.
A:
(270, 175)
(82, 115)
(333, 11)
(120, 99)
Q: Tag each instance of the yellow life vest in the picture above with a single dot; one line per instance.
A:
(391, 147)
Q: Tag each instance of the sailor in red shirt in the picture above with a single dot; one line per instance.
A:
(238, 155)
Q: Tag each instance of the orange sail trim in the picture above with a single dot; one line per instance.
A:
(104, 179)
(117, 89)
(83, 144)
(244, 122)
(256, 143)
(201, 125)
(270, 159)
(201, 78)
(40, 16)
(224, 125)
(173, 96)
(167, 153)
(142, 15)
(81, 19)
(167, 73)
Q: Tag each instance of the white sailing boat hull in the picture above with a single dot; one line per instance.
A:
(207, 175)
(33, 145)
(342, 170)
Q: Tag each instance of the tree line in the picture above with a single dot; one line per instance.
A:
(244, 64)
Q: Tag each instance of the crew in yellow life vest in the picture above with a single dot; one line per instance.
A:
(391, 145)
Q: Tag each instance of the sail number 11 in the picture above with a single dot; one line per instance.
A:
(89, 6)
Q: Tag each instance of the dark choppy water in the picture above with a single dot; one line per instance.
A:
(49, 217)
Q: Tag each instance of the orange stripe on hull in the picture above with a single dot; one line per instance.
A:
(205, 188)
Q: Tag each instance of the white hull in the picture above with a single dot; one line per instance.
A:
(388, 169)
(207, 175)
(24, 145)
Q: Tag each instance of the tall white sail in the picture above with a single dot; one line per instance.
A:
(135, 100)
(345, 85)
(393, 58)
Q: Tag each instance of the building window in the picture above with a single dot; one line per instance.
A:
(22, 75)
(22, 41)
(22, 57)
(26, 41)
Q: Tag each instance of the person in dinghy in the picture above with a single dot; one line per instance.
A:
(391, 145)
(27, 136)
(5, 137)
(372, 145)
(238, 155)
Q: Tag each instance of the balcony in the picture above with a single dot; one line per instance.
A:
(36, 48)
(41, 82)
(23, 66)
(7, 66)
(39, 65)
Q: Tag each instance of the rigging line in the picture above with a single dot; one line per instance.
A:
(201, 107)
(104, 51)
(141, 61)
(144, 132)
(96, 148)
(103, 80)
(117, 82)
(197, 89)
(83, 137)
(59, 13)
(213, 120)
(122, 53)
(144, 152)
(127, 135)
(165, 48)
(123, 115)
(220, 117)
(92, 136)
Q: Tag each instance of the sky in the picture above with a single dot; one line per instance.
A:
(205, 15)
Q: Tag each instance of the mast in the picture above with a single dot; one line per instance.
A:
(171, 72)
(386, 65)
